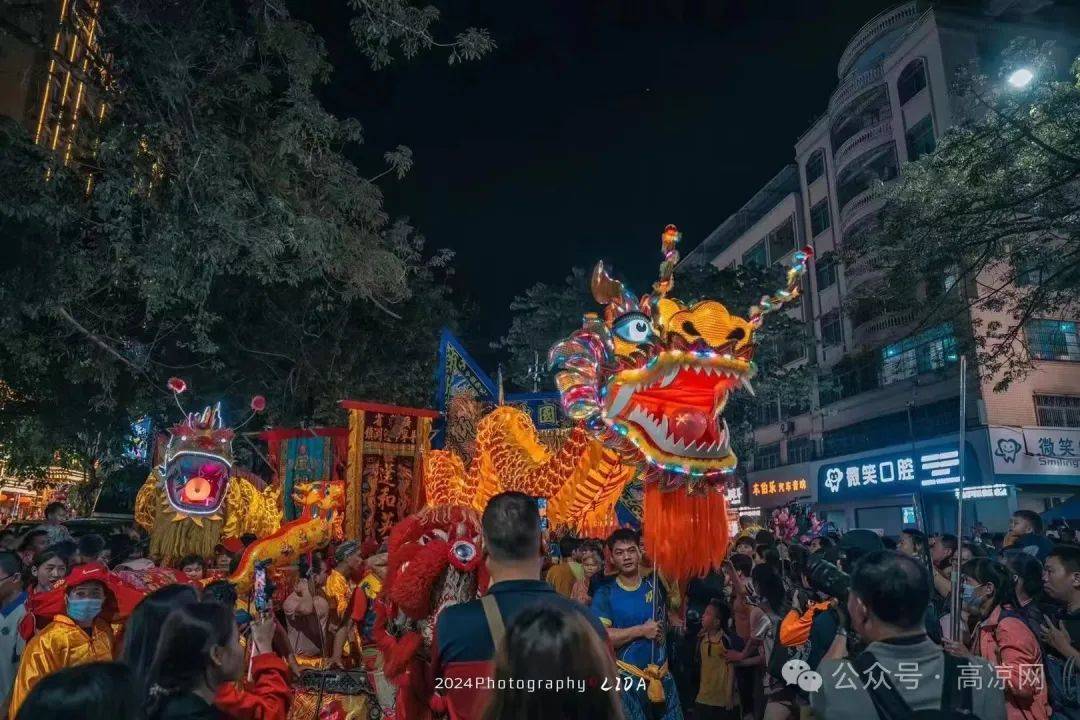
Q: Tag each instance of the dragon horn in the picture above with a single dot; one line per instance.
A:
(605, 289)
(772, 303)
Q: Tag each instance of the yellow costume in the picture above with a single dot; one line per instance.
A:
(338, 591)
(174, 533)
(60, 645)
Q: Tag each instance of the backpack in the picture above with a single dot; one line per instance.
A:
(793, 639)
(890, 704)
(1061, 682)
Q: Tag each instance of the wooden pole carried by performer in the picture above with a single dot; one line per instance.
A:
(957, 603)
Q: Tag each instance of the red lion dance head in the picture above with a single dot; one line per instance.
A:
(434, 561)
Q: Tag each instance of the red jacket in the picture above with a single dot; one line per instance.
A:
(266, 697)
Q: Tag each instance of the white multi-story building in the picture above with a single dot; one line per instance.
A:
(879, 444)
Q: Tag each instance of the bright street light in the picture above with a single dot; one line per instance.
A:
(1021, 78)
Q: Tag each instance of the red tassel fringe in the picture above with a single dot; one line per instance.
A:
(685, 534)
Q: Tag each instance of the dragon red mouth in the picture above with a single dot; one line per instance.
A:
(674, 407)
(196, 482)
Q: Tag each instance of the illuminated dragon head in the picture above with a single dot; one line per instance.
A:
(199, 457)
(198, 463)
(651, 376)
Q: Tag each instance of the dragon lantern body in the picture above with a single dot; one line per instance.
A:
(647, 380)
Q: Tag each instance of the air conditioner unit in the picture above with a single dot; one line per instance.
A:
(787, 426)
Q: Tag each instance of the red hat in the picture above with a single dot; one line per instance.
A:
(88, 572)
(231, 545)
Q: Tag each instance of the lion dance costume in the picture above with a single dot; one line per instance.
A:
(434, 561)
(647, 381)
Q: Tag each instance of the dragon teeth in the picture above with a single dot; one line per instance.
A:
(620, 401)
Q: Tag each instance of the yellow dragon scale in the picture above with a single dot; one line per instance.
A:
(582, 480)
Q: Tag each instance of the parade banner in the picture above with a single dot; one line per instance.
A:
(458, 374)
(385, 467)
(305, 455)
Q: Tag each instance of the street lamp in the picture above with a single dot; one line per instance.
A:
(1021, 78)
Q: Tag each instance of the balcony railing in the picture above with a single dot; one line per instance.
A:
(858, 207)
(858, 273)
(869, 33)
(881, 328)
(854, 86)
(862, 141)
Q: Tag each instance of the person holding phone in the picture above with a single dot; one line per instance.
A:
(307, 612)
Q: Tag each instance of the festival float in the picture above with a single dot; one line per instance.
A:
(646, 381)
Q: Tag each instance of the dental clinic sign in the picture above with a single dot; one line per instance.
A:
(931, 468)
(1035, 450)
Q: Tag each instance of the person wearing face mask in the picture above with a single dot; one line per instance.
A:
(78, 635)
(1002, 636)
(886, 605)
(199, 655)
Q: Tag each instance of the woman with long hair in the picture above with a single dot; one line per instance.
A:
(779, 698)
(999, 634)
(1027, 576)
(95, 691)
(592, 561)
(47, 569)
(546, 644)
(143, 628)
(307, 612)
(197, 655)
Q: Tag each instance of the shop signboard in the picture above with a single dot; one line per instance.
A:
(935, 467)
(770, 489)
(1035, 450)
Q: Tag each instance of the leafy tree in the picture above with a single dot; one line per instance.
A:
(543, 315)
(228, 238)
(380, 25)
(991, 219)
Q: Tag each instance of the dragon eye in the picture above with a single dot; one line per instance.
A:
(464, 551)
(633, 327)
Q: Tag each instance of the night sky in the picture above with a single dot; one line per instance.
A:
(591, 126)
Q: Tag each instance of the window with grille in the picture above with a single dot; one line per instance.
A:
(766, 411)
(920, 139)
(1057, 410)
(756, 255)
(832, 329)
(1052, 340)
(826, 271)
(912, 79)
(815, 166)
(767, 457)
(800, 450)
(819, 217)
(926, 352)
(782, 239)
